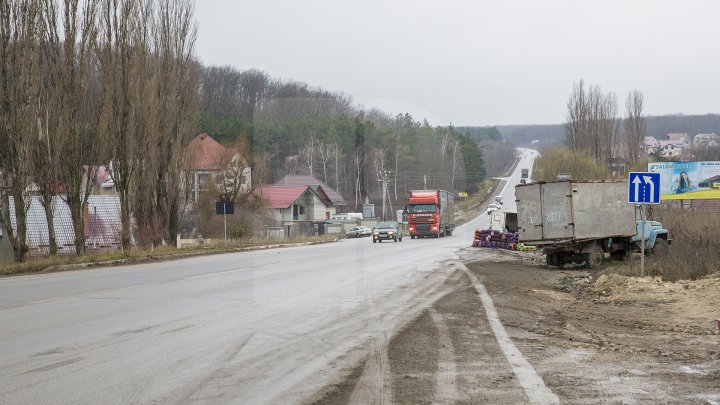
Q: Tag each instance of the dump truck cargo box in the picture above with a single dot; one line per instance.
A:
(574, 210)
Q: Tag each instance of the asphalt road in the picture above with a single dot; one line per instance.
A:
(248, 327)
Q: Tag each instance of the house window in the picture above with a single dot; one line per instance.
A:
(298, 210)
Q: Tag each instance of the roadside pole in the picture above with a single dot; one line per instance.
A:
(643, 188)
(642, 241)
(225, 221)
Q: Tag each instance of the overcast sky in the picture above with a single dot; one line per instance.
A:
(475, 62)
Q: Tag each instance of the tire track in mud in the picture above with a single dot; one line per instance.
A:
(445, 380)
(436, 354)
(532, 383)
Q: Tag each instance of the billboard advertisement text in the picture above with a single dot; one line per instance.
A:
(687, 180)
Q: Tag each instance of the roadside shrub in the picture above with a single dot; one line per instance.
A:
(237, 232)
(577, 164)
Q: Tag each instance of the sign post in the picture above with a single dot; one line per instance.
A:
(224, 208)
(643, 188)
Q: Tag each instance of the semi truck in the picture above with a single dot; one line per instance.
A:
(580, 221)
(430, 213)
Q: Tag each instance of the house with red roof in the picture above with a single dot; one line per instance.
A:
(335, 199)
(296, 203)
(207, 162)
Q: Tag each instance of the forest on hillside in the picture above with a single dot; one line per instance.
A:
(294, 128)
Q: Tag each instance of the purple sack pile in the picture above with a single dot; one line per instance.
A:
(495, 239)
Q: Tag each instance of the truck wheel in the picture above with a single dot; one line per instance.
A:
(595, 257)
(374, 240)
(661, 249)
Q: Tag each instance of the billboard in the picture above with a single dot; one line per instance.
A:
(687, 180)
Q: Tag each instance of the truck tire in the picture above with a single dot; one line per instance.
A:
(374, 240)
(595, 257)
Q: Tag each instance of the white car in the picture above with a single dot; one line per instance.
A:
(492, 208)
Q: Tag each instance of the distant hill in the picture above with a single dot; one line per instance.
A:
(657, 126)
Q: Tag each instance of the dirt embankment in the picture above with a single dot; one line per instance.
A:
(592, 339)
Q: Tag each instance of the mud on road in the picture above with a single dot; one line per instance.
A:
(590, 339)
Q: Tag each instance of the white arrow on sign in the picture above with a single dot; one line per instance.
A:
(637, 182)
(648, 180)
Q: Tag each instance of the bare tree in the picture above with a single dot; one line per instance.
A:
(307, 154)
(19, 72)
(69, 39)
(359, 160)
(176, 94)
(123, 61)
(324, 155)
(634, 126)
(592, 123)
(235, 165)
(455, 157)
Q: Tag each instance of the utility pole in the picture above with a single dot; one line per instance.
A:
(385, 174)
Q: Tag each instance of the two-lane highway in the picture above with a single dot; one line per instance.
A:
(246, 327)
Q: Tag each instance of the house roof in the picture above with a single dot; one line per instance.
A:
(204, 153)
(316, 185)
(282, 196)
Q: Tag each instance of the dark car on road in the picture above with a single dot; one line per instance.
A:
(387, 231)
(358, 232)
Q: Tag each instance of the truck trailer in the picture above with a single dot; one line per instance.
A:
(579, 221)
(430, 213)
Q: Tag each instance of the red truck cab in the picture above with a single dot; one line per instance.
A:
(430, 213)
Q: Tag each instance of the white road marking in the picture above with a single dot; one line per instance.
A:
(45, 301)
(532, 383)
(216, 273)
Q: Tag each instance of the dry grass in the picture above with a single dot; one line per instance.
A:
(136, 255)
(695, 248)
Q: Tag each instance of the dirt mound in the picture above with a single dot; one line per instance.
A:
(695, 301)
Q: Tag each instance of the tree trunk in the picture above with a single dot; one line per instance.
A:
(47, 203)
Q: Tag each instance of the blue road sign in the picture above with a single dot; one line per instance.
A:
(644, 188)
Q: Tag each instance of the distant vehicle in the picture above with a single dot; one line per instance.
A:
(387, 231)
(430, 213)
(498, 199)
(359, 232)
(348, 216)
(525, 173)
(492, 208)
(523, 181)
